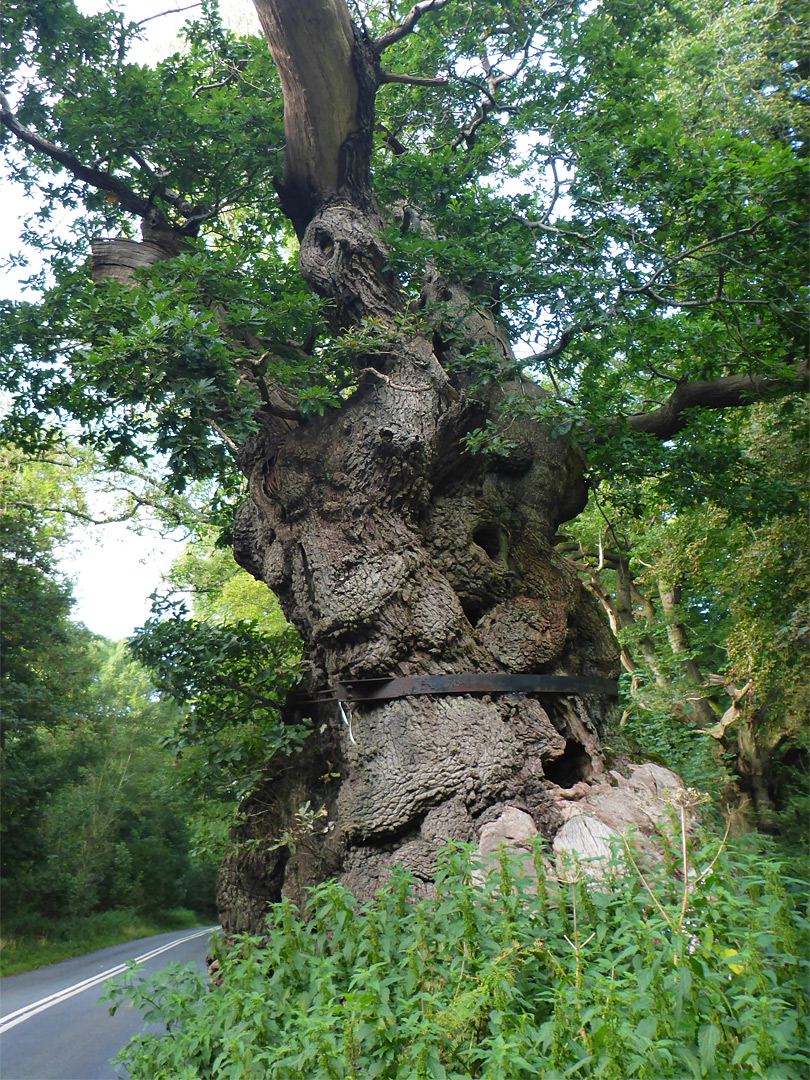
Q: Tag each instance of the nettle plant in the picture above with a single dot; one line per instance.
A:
(527, 972)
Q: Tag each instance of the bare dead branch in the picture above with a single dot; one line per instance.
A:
(467, 134)
(410, 80)
(231, 445)
(170, 11)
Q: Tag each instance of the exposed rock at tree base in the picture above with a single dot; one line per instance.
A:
(597, 815)
(512, 830)
(641, 800)
(584, 839)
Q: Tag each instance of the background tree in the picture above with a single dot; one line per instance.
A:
(46, 668)
(646, 248)
(94, 817)
(229, 664)
(706, 588)
(118, 833)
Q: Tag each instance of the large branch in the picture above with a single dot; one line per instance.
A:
(408, 23)
(313, 45)
(132, 203)
(104, 181)
(726, 392)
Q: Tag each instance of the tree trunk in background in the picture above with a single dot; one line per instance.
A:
(700, 710)
(394, 552)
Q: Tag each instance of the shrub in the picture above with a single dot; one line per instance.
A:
(504, 980)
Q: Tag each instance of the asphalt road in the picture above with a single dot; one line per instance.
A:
(52, 1026)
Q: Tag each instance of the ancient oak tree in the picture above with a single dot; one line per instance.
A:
(392, 551)
(458, 177)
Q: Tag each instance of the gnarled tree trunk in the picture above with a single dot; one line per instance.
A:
(394, 552)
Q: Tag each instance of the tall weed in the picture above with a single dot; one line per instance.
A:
(504, 980)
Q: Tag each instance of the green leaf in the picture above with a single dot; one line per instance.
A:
(709, 1038)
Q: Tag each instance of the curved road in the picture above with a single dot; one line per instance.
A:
(52, 1026)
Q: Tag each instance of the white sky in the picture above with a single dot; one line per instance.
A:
(114, 569)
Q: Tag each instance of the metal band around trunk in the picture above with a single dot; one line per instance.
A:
(383, 689)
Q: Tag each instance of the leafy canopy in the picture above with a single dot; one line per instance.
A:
(228, 663)
(94, 816)
(626, 181)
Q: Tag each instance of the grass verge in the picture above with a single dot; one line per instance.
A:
(32, 941)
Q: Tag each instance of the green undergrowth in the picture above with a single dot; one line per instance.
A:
(640, 976)
(33, 941)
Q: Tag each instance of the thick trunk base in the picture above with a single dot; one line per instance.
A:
(396, 553)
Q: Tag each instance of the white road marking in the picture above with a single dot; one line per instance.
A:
(12, 1019)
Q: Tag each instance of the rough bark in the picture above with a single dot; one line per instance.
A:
(395, 552)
